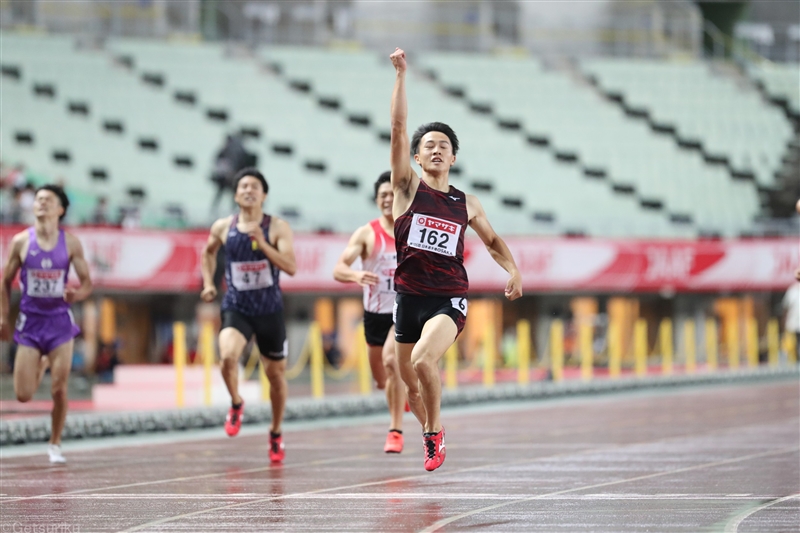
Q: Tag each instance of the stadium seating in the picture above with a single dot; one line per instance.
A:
(780, 81)
(730, 120)
(551, 155)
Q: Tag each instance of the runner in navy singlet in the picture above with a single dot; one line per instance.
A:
(374, 244)
(45, 325)
(257, 248)
(431, 217)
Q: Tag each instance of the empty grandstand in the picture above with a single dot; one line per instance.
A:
(609, 147)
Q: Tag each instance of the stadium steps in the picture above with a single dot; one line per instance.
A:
(573, 139)
(779, 84)
(342, 85)
(703, 110)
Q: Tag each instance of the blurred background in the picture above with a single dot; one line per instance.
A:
(641, 158)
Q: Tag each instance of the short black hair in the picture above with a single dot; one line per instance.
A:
(386, 177)
(58, 191)
(250, 171)
(433, 126)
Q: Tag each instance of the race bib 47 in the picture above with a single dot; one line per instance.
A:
(251, 275)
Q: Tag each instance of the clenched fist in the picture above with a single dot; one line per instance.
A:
(398, 58)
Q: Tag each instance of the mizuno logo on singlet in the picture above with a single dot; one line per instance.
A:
(34, 252)
(454, 198)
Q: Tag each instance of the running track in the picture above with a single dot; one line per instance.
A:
(717, 458)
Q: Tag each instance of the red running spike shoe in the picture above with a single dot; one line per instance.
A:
(233, 422)
(435, 452)
(394, 442)
(276, 451)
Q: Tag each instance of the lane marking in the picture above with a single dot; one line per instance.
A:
(441, 523)
(412, 496)
(185, 478)
(733, 525)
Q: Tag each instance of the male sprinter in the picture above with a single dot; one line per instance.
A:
(45, 327)
(374, 244)
(431, 282)
(257, 248)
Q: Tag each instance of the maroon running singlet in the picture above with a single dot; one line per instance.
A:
(429, 238)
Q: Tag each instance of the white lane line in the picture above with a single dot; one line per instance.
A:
(733, 525)
(441, 523)
(184, 478)
(413, 496)
(300, 495)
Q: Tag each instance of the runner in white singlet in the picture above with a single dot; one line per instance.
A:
(373, 243)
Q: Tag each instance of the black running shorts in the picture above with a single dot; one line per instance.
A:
(376, 327)
(412, 312)
(269, 329)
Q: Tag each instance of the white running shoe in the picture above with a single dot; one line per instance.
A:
(54, 451)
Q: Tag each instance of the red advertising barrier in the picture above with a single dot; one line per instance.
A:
(169, 261)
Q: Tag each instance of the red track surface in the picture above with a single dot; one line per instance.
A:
(717, 458)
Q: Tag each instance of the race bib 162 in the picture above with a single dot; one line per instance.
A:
(434, 235)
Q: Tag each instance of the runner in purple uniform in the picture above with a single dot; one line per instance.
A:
(45, 325)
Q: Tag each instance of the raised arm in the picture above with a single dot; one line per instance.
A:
(403, 184)
(208, 264)
(78, 261)
(356, 248)
(497, 247)
(13, 265)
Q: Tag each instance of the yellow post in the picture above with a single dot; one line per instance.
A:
(207, 350)
(451, 367)
(317, 356)
(640, 347)
(690, 343)
(733, 345)
(773, 341)
(790, 341)
(523, 351)
(364, 371)
(665, 341)
(262, 378)
(752, 342)
(179, 359)
(711, 344)
(489, 354)
(614, 349)
(587, 354)
(557, 350)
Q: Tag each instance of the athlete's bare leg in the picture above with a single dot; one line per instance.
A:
(278, 390)
(395, 391)
(437, 335)
(403, 351)
(231, 345)
(376, 365)
(60, 366)
(44, 364)
(27, 372)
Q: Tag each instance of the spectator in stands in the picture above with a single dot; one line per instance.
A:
(26, 200)
(231, 158)
(14, 177)
(130, 217)
(12, 213)
(106, 361)
(100, 213)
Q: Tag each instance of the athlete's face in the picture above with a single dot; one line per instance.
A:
(250, 192)
(47, 204)
(435, 153)
(385, 198)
